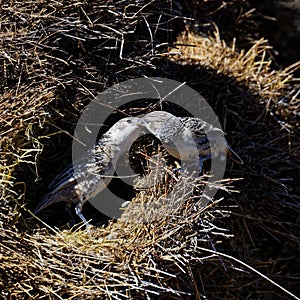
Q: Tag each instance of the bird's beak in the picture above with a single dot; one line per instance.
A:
(137, 122)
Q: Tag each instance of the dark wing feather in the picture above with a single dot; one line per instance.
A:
(197, 126)
(61, 178)
(63, 181)
(62, 188)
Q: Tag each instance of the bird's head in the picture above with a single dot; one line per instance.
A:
(155, 121)
(125, 131)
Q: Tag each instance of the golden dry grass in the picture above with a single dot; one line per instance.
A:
(252, 67)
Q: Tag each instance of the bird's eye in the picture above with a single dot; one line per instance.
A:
(129, 121)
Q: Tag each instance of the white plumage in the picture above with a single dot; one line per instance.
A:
(92, 172)
(186, 138)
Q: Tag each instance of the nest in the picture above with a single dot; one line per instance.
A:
(55, 58)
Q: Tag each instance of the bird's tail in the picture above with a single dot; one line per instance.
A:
(234, 156)
(45, 202)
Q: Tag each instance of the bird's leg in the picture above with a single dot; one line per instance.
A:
(178, 168)
(202, 159)
(68, 210)
(81, 216)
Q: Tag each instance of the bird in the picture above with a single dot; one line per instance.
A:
(186, 138)
(93, 171)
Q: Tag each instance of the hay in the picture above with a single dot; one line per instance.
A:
(55, 56)
(120, 261)
(251, 67)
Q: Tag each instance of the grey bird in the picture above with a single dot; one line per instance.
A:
(186, 138)
(89, 175)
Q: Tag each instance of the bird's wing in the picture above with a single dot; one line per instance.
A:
(200, 128)
(94, 162)
(61, 179)
(60, 183)
(69, 176)
(196, 126)
(63, 185)
(87, 165)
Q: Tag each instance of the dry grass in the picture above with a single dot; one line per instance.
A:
(126, 259)
(251, 67)
(55, 56)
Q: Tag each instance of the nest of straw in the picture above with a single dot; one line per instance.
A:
(55, 58)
